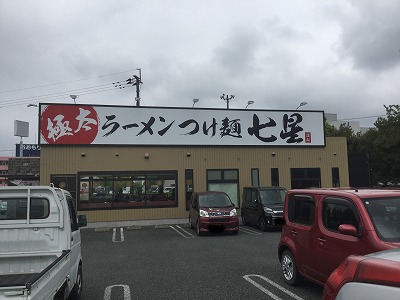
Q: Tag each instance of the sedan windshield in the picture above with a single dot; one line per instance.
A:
(385, 215)
(272, 197)
(214, 200)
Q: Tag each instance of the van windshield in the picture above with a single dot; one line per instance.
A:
(214, 200)
(272, 197)
(385, 215)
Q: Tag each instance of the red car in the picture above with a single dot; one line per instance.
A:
(373, 276)
(212, 211)
(324, 226)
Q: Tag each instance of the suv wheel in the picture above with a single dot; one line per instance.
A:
(262, 225)
(244, 219)
(289, 269)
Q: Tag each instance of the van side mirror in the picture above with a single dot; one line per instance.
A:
(82, 221)
(348, 229)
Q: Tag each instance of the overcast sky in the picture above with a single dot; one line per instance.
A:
(339, 56)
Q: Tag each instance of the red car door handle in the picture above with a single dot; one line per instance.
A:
(321, 240)
(294, 232)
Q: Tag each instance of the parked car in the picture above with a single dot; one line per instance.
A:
(263, 206)
(373, 276)
(212, 211)
(324, 226)
(168, 189)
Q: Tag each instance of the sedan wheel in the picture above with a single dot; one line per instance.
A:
(289, 269)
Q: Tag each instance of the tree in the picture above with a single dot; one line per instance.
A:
(381, 143)
(385, 146)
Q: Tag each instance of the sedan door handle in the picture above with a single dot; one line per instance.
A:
(294, 232)
(321, 240)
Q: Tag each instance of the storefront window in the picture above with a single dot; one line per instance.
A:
(188, 186)
(335, 177)
(66, 182)
(305, 178)
(225, 181)
(127, 190)
(255, 177)
(274, 176)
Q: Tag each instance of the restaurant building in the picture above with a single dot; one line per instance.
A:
(126, 163)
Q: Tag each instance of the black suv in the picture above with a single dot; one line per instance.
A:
(263, 206)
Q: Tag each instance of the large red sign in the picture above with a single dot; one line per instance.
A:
(69, 124)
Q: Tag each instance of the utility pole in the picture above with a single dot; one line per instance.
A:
(138, 82)
(227, 98)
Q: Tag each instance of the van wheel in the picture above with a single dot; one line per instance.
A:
(289, 269)
(190, 223)
(198, 228)
(77, 289)
(262, 225)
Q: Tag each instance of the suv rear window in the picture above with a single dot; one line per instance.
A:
(385, 215)
(301, 209)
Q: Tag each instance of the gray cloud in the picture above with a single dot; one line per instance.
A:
(339, 56)
(371, 34)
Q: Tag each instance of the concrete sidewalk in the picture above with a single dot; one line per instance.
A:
(137, 223)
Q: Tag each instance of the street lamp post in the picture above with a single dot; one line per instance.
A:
(301, 104)
(227, 99)
(37, 106)
(249, 103)
(73, 97)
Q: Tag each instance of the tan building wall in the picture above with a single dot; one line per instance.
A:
(72, 159)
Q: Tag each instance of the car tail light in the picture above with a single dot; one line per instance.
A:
(362, 269)
(381, 271)
(343, 274)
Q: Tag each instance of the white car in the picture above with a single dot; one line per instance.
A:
(168, 189)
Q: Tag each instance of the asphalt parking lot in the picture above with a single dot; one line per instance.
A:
(172, 262)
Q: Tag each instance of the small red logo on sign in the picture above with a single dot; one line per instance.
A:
(307, 137)
(69, 124)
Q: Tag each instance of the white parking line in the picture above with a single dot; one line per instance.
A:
(249, 231)
(186, 234)
(115, 233)
(269, 293)
(127, 291)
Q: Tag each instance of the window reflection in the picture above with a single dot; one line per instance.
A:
(133, 190)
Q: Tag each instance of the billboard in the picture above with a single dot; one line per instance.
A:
(21, 128)
(83, 124)
(28, 150)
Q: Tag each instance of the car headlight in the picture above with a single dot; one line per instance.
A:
(233, 212)
(203, 213)
(268, 211)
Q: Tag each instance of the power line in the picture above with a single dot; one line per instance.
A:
(62, 95)
(53, 94)
(64, 82)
